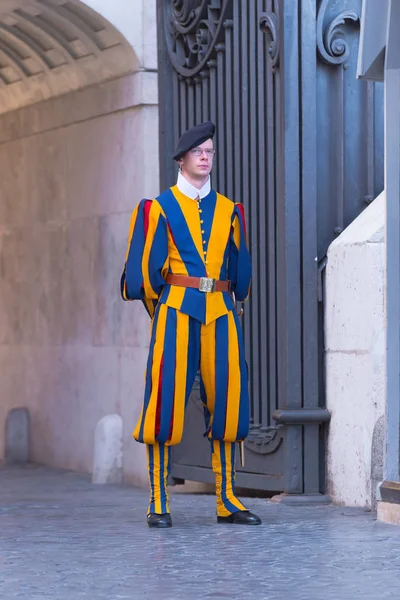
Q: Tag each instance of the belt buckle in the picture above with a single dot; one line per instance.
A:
(207, 284)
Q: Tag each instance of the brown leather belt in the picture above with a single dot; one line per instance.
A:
(204, 284)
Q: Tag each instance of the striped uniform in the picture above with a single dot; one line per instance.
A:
(190, 330)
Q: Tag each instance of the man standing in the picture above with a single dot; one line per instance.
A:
(187, 259)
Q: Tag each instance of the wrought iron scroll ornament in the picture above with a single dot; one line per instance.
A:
(269, 23)
(264, 441)
(193, 28)
(333, 48)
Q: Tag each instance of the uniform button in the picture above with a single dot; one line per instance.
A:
(200, 211)
(205, 252)
(202, 231)
(202, 222)
(204, 242)
(206, 262)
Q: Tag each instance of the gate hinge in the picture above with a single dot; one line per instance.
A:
(320, 288)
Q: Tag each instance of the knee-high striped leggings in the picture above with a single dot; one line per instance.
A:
(223, 464)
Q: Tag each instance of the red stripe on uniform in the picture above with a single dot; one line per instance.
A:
(172, 235)
(241, 210)
(146, 211)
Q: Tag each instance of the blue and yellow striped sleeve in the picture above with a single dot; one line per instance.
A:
(146, 263)
(239, 266)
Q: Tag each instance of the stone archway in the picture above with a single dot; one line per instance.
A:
(52, 47)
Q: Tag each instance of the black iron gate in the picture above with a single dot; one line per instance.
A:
(300, 142)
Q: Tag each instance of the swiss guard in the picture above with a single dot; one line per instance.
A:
(188, 262)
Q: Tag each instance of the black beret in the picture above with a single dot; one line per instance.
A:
(194, 137)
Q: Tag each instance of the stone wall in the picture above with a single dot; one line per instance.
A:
(355, 358)
(73, 169)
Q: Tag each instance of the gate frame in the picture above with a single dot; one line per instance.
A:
(300, 37)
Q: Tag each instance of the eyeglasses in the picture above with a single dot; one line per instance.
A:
(199, 151)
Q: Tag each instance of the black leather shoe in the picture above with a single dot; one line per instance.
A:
(160, 521)
(242, 517)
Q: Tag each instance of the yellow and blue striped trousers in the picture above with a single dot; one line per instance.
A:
(179, 346)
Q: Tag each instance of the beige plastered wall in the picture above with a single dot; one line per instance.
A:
(71, 351)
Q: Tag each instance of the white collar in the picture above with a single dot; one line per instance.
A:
(190, 190)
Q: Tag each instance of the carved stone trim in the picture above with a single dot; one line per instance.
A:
(331, 43)
(193, 28)
(33, 38)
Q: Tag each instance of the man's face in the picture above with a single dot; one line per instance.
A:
(198, 162)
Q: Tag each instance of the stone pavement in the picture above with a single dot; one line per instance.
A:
(62, 538)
